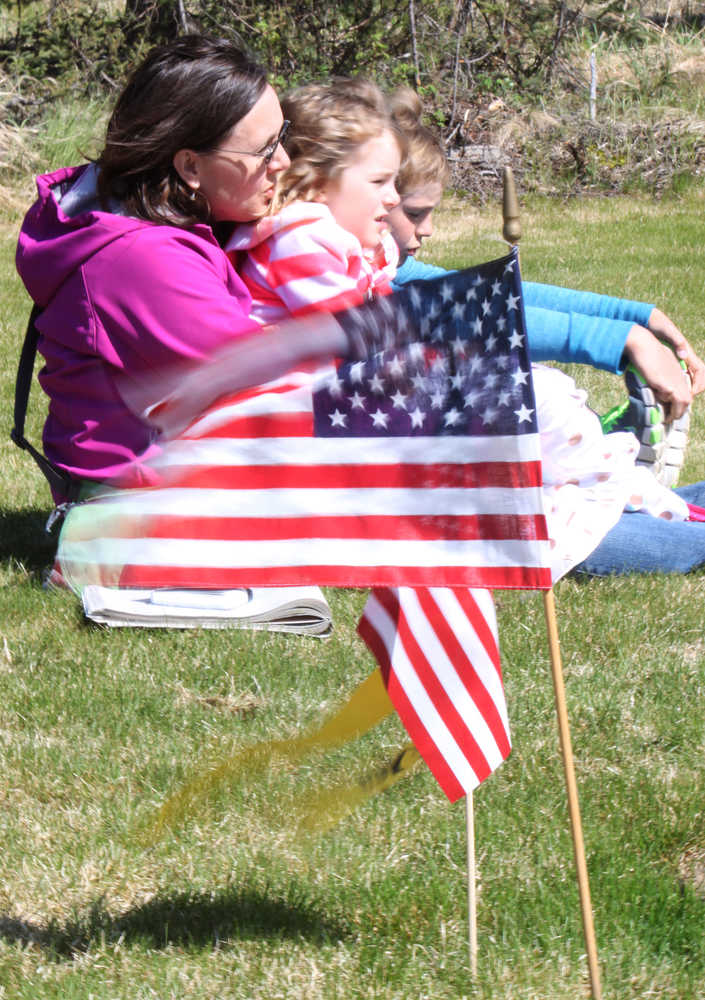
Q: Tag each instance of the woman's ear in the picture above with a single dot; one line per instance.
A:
(186, 164)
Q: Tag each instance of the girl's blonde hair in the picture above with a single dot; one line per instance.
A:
(425, 160)
(329, 122)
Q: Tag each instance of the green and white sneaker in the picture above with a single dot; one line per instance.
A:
(662, 442)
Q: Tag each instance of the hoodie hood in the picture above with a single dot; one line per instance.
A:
(64, 228)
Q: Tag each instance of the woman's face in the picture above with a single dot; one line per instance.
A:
(235, 178)
(412, 219)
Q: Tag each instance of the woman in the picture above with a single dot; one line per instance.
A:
(121, 254)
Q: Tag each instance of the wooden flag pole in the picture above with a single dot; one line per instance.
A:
(511, 232)
(572, 790)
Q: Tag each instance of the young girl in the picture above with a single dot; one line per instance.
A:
(588, 477)
(327, 244)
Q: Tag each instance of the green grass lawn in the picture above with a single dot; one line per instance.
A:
(98, 727)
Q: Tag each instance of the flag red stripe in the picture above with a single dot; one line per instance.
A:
(221, 577)
(365, 475)
(402, 527)
(258, 425)
(417, 731)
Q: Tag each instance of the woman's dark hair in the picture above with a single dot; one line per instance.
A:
(185, 95)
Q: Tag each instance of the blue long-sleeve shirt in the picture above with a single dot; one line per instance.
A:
(563, 324)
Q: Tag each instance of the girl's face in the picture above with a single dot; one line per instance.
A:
(362, 194)
(236, 178)
(411, 221)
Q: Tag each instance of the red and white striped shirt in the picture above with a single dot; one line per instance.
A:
(301, 261)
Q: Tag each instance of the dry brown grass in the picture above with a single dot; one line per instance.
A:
(18, 158)
(237, 703)
(691, 869)
(648, 132)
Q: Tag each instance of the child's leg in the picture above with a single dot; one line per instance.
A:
(639, 544)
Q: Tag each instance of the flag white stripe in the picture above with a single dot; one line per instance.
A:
(307, 552)
(282, 503)
(334, 451)
(294, 401)
(495, 682)
(414, 690)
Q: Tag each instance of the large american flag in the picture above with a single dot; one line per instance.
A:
(414, 469)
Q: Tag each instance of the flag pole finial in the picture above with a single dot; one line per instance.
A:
(511, 230)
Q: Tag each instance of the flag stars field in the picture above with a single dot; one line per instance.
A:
(463, 362)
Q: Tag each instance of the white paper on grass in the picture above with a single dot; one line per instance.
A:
(302, 610)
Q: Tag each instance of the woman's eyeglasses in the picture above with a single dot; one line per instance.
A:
(268, 152)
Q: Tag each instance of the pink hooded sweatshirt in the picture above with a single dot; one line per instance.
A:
(123, 300)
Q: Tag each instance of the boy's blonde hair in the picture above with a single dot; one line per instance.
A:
(329, 122)
(425, 160)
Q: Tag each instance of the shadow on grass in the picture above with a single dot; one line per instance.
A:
(190, 919)
(24, 540)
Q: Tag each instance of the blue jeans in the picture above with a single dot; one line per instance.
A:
(639, 543)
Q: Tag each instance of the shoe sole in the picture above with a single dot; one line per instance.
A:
(662, 443)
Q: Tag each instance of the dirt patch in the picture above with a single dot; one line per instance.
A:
(237, 704)
(691, 870)
(692, 69)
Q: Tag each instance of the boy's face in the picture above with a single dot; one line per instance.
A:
(411, 221)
